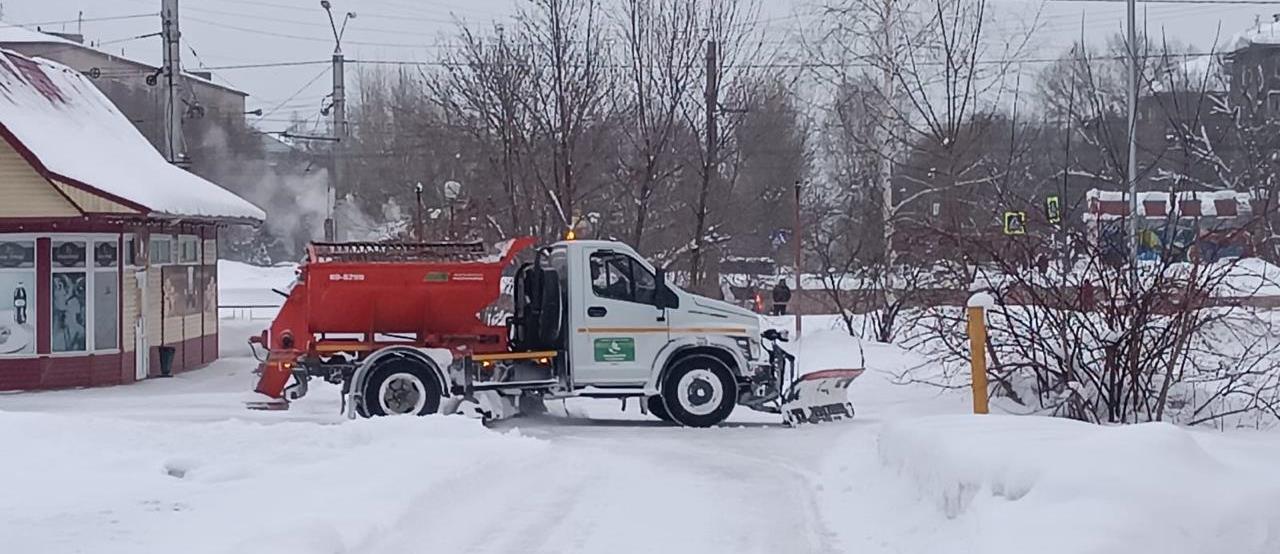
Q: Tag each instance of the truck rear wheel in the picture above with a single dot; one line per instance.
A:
(401, 387)
(699, 391)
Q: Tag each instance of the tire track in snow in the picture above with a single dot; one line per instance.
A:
(506, 506)
(755, 488)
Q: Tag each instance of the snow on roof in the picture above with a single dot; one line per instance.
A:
(1193, 73)
(76, 135)
(1111, 204)
(13, 34)
(1264, 33)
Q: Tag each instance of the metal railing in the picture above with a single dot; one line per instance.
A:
(248, 311)
(395, 252)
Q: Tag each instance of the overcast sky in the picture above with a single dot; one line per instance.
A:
(221, 33)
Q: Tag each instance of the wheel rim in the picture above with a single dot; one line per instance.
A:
(700, 392)
(402, 393)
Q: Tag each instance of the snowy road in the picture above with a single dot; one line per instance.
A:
(627, 487)
(179, 465)
(174, 460)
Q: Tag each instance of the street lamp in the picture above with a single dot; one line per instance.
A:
(339, 118)
(338, 31)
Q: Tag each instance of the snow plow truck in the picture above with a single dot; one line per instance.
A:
(410, 329)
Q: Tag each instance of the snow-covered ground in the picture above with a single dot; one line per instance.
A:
(179, 465)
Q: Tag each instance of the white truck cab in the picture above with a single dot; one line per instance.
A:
(593, 318)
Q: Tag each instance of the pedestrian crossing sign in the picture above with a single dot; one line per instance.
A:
(1015, 223)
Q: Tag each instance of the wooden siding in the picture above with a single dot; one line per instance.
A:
(192, 326)
(26, 192)
(154, 300)
(209, 252)
(92, 203)
(209, 256)
(131, 295)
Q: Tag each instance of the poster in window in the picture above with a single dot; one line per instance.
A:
(105, 254)
(68, 254)
(17, 298)
(17, 312)
(68, 325)
(209, 274)
(17, 254)
(182, 291)
(106, 304)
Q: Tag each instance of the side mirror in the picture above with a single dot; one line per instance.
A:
(664, 297)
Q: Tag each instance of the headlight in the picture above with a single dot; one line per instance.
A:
(749, 346)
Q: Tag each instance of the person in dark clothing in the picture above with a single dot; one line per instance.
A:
(781, 297)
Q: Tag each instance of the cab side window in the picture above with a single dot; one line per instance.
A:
(620, 277)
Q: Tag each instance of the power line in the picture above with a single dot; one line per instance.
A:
(265, 65)
(301, 37)
(811, 65)
(1202, 2)
(322, 73)
(317, 23)
(363, 14)
(89, 19)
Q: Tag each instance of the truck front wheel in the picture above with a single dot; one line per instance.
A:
(401, 387)
(699, 391)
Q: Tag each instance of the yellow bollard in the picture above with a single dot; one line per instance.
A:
(978, 353)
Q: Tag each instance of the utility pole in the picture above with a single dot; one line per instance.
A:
(1133, 145)
(798, 239)
(885, 161)
(340, 130)
(174, 148)
(712, 99)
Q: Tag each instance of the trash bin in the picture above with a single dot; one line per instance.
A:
(166, 360)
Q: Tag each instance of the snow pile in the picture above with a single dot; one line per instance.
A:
(1016, 484)
(105, 485)
(79, 136)
(1250, 277)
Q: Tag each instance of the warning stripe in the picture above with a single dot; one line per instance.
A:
(831, 374)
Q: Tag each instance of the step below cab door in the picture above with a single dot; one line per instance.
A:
(618, 329)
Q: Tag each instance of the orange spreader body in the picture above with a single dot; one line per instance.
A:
(354, 298)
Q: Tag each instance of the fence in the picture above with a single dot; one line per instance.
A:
(247, 311)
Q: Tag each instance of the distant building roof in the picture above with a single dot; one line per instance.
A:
(1266, 33)
(70, 132)
(13, 34)
(1108, 204)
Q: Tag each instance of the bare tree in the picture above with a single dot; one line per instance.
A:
(662, 56)
(731, 33)
(572, 76)
(481, 87)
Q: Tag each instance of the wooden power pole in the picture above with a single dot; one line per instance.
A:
(711, 164)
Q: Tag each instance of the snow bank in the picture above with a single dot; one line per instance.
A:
(106, 485)
(244, 284)
(1250, 277)
(1016, 484)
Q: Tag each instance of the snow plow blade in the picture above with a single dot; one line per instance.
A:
(819, 397)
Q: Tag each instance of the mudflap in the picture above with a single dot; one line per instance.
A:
(819, 397)
(489, 406)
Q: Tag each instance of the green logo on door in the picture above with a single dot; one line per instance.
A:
(615, 349)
